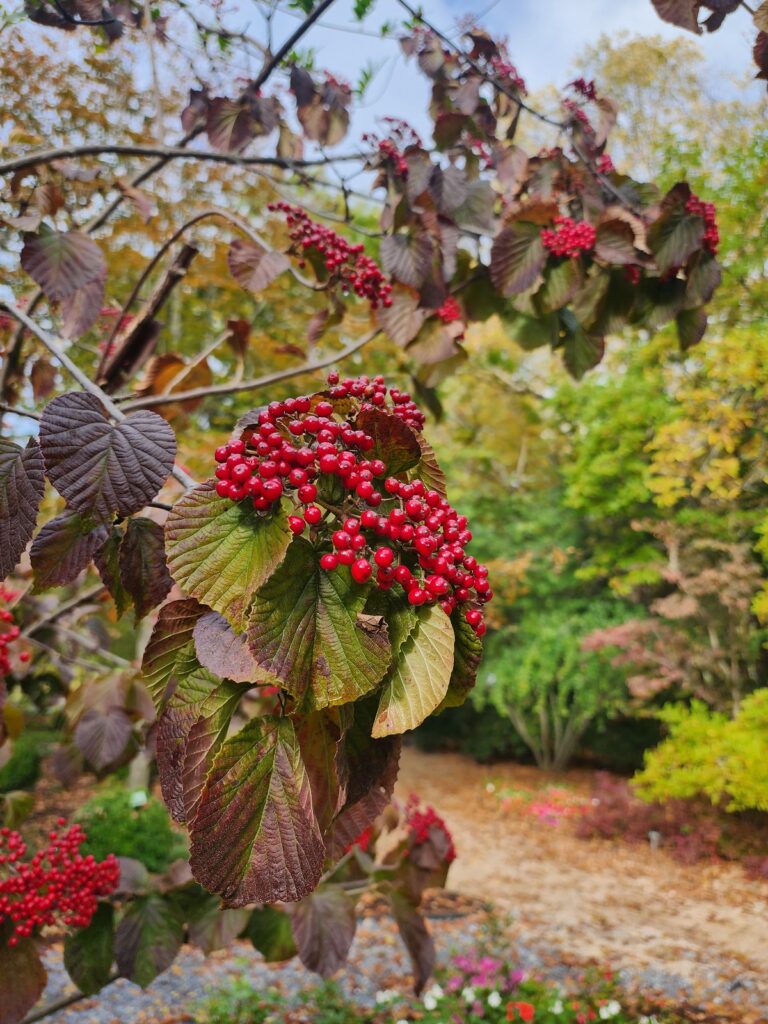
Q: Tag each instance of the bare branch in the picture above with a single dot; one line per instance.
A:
(234, 387)
(56, 347)
(290, 42)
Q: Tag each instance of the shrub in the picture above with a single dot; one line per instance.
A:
(619, 745)
(23, 768)
(238, 1002)
(550, 689)
(144, 833)
(480, 733)
(709, 755)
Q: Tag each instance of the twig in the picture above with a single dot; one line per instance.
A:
(62, 609)
(289, 44)
(167, 153)
(54, 346)
(19, 412)
(149, 37)
(253, 385)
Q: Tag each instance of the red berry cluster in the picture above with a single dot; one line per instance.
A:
(708, 213)
(406, 533)
(9, 635)
(576, 111)
(632, 273)
(584, 88)
(389, 151)
(363, 841)
(421, 823)
(605, 164)
(569, 238)
(450, 311)
(55, 886)
(503, 69)
(347, 264)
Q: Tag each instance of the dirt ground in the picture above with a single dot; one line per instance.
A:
(626, 905)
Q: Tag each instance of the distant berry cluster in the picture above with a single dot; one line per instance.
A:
(584, 87)
(708, 213)
(423, 822)
(9, 634)
(450, 311)
(57, 886)
(401, 530)
(346, 263)
(569, 237)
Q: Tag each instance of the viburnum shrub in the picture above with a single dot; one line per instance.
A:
(415, 542)
(56, 886)
(569, 238)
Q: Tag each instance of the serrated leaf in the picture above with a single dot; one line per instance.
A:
(229, 124)
(88, 952)
(476, 211)
(61, 262)
(210, 925)
(517, 258)
(581, 351)
(324, 926)
(220, 551)
(107, 561)
(174, 726)
(148, 937)
(203, 742)
(429, 471)
(102, 736)
(254, 267)
(319, 735)
(143, 571)
(270, 932)
(395, 443)
(615, 242)
(675, 236)
(63, 548)
(171, 650)
(402, 320)
(561, 282)
(80, 310)
(22, 485)
(418, 680)
(691, 326)
(23, 976)
(406, 258)
(703, 276)
(683, 13)
(255, 838)
(414, 933)
(223, 651)
(100, 467)
(468, 652)
(304, 629)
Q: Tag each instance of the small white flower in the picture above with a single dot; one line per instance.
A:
(468, 994)
(494, 1000)
(435, 991)
(490, 788)
(386, 996)
(556, 1007)
(430, 1003)
(401, 1021)
(611, 1009)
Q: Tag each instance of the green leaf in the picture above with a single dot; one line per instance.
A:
(418, 681)
(221, 551)
(210, 925)
(676, 234)
(394, 441)
(305, 630)
(22, 484)
(271, 933)
(468, 652)
(100, 467)
(23, 976)
(63, 548)
(518, 257)
(88, 952)
(143, 571)
(148, 937)
(204, 740)
(324, 926)
(255, 838)
(704, 275)
(561, 282)
(171, 649)
(581, 351)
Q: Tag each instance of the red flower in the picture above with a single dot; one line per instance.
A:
(526, 1011)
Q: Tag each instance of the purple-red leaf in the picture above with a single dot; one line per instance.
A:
(107, 561)
(394, 441)
(22, 974)
(324, 926)
(223, 651)
(683, 13)
(102, 736)
(229, 124)
(22, 484)
(408, 259)
(255, 838)
(101, 467)
(320, 740)
(61, 262)
(517, 258)
(254, 267)
(143, 571)
(691, 326)
(615, 242)
(403, 319)
(148, 938)
(63, 548)
(81, 309)
(170, 652)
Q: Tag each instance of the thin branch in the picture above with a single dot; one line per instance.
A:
(62, 609)
(19, 412)
(167, 153)
(55, 347)
(289, 44)
(232, 388)
(149, 37)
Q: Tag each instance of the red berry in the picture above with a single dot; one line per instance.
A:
(473, 616)
(296, 524)
(328, 561)
(384, 557)
(313, 514)
(361, 570)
